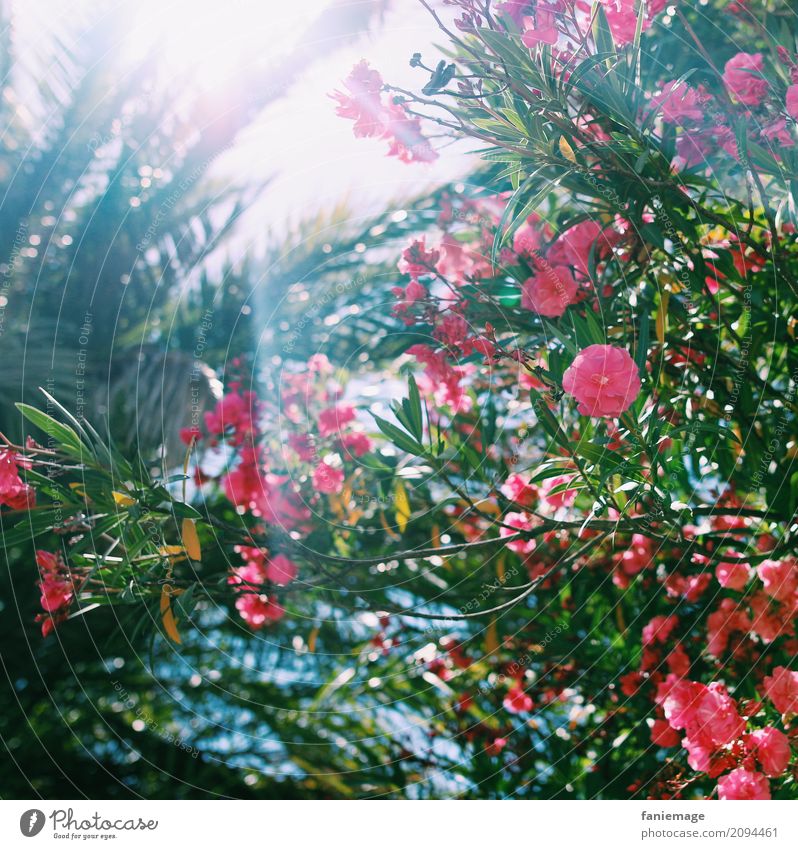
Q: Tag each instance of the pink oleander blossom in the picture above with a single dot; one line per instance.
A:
(781, 687)
(563, 497)
(550, 291)
(663, 735)
(779, 577)
(55, 583)
(604, 380)
(733, 576)
(258, 610)
(362, 101)
(517, 701)
(333, 419)
(518, 522)
(741, 783)
(542, 29)
(771, 748)
(742, 75)
(791, 102)
(518, 489)
(13, 492)
(678, 103)
(280, 570)
(528, 238)
(328, 479)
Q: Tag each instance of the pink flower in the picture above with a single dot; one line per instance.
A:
(495, 746)
(777, 133)
(328, 479)
(361, 103)
(603, 379)
(742, 75)
(518, 489)
(56, 593)
(741, 783)
(406, 140)
(772, 750)
(280, 570)
(333, 419)
(678, 102)
(528, 238)
(622, 18)
(733, 576)
(663, 735)
(542, 29)
(55, 584)
(637, 557)
(791, 102)
(13, 492)
(698, 756)
(722, 623)
(782, 689)
(236, 412)
(681, 702)
(258, 610)
(689, 587)
(515, 9)
(659, 629)
(564, 497)
(770, 619)
(715, 720)
(517, 701)
(780, 578)
(417, 260)
(518, 522)
(356, 442)
(574, 246)
(550, 291)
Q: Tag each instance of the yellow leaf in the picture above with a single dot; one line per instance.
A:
(387, 527)
(402, 506)
(491, 638)
(191, 539)
(566, 150)
(123, 500)
(662, 317)
(172, 551)
(312, 637)
(167, 616)
(619, 619)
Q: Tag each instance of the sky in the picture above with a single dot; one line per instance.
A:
(311, 155)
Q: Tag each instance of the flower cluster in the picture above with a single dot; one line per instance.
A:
(363, 103)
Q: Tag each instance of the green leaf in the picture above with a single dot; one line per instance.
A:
(399, 437)
(64, 436)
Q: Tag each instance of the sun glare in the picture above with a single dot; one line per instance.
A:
(216, 41)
